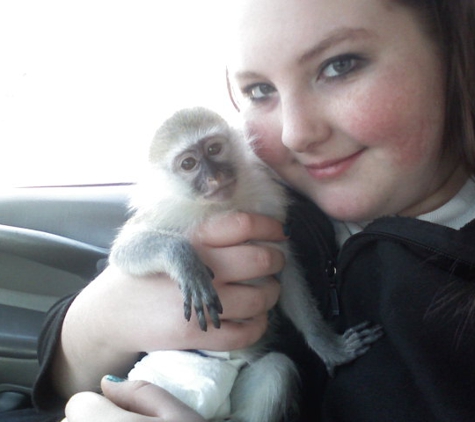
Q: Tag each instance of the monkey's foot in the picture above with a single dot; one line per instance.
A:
(356, 341)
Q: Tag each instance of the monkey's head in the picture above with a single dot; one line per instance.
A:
(200, 149)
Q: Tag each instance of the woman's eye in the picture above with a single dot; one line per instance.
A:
(188, 164)
(340, 66)
(258, 91)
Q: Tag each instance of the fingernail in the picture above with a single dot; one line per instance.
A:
(113, 378)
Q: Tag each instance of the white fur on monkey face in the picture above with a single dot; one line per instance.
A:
(162, 189)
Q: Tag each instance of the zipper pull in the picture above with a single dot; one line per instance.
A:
(334, 301)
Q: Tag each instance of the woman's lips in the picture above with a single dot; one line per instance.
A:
(332, 168)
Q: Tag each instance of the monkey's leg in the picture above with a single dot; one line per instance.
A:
(334, 349)
(151, 252)
(265, 390)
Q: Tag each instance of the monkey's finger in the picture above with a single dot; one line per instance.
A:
(206, 293)
(187, 302)
(363, 333)
(359, 339)
(214, 308)
(211, 299)
(201, 317)
(214, 315)
(187, 310)
(357, 328)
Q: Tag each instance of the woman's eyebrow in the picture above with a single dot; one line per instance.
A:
(246, 75)
(333, 38)
(336, 37)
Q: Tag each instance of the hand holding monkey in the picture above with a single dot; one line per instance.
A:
(117, 316)
(201, 169)
(135, 401)
(222, 246)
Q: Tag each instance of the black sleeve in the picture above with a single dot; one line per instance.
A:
(44, 395)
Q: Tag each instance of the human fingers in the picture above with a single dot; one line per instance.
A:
(242, 262)
(243, 301)
(224, 246)
(232, 246)
(243, 321)
(92, 407)
(128, 401)
(143, 398)
(145, 314)
(235, 228)
(245, 315)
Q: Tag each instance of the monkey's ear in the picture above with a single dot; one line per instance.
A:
(231, 93)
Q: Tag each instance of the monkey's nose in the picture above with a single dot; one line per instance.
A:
(212, 181)
(216, 179)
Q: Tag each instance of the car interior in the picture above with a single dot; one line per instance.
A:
(83, 87)
(51, 241)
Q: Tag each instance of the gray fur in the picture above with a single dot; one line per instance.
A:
(155, 240)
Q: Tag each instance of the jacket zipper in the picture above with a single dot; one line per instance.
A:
(331, 272)
(330, 269)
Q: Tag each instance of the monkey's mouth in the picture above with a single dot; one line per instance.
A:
(221, 191)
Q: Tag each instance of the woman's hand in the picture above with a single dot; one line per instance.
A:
(224, 246)
(118, 316)
(128, 401)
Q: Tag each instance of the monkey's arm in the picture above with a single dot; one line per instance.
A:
(298, 304)
(144, 252)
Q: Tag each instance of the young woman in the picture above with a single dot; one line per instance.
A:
(366, 109)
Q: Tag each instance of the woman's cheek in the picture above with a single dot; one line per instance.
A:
(399, 123)
(266, 142)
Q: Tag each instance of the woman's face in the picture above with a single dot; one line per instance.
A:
(346, 101)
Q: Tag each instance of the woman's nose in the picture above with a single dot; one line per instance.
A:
(303, 125)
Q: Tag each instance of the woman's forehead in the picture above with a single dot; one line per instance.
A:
(264, 28)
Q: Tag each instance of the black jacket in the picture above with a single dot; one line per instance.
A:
(414, 278)
(417, 280)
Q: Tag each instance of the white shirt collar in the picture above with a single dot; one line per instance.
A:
(456, 213)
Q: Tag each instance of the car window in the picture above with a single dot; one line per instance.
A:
(84, 84)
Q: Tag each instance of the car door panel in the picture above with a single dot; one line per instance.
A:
(51, 241)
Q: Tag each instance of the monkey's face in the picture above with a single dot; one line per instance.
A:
(207, 167)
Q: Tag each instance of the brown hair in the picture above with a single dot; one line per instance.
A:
(452, 24)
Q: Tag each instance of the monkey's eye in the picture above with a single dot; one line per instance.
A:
(215, 149)
(188, 164)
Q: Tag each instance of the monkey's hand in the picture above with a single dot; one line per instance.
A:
(150, 252)
(358, 339)
(196, 283)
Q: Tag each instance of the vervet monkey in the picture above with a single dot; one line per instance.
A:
(200, 167)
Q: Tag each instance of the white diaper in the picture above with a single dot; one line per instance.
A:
(203, 380)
